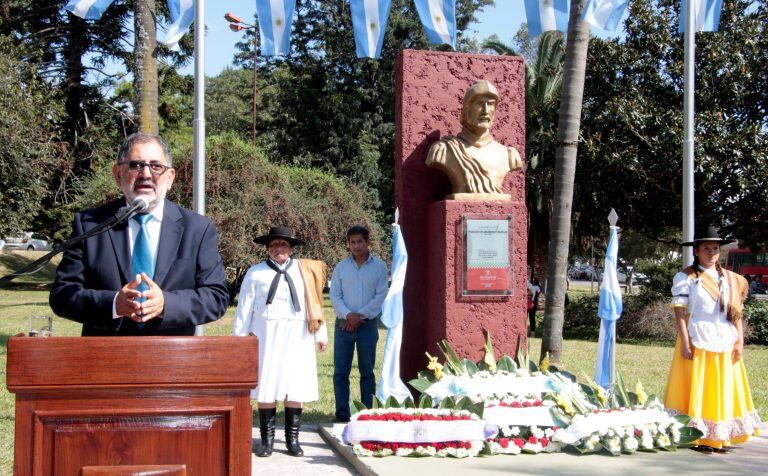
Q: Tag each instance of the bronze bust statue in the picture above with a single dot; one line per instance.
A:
(475, 163)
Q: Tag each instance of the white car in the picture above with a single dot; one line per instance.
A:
(29, 241)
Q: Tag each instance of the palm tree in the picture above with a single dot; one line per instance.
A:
(543, 80)
(569, 123)
(146, 65)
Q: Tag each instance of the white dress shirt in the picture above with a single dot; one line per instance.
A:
(153, 230)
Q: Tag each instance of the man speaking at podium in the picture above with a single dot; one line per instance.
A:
(158, 274)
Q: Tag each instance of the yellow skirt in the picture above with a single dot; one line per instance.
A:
(714, 392)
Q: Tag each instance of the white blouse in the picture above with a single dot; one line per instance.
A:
(252, 302)
(708, 327)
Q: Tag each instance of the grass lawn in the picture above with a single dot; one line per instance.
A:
(648, 363)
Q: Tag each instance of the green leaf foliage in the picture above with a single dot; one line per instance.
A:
(408, 403)
(634, 89)
(358, 406)
(683, 419)
(507, 364)
(391, 402)
(470, 366)
(246, 194)
(688, 435)
(425, 401)
(28, 109)
(420, 384)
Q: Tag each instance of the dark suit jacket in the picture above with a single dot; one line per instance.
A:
(188, 269)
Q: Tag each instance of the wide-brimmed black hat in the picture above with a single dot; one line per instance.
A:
(281, 233)
(707, 233)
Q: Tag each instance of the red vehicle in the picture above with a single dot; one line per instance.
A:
(744, 261)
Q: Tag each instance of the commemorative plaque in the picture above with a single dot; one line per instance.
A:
(487, 267)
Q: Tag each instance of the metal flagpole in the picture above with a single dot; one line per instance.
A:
(198, 174)
(689, 87)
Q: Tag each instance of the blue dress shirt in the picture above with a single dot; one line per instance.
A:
(359, 289)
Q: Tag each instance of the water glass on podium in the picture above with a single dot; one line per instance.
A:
(40, 326)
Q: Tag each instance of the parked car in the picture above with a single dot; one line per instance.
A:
(29, 241)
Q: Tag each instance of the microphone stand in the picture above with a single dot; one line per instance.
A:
(125, 213)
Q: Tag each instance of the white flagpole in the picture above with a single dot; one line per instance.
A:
(198, 174)
(689, 87)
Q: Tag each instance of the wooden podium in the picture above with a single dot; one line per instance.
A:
(119, 402)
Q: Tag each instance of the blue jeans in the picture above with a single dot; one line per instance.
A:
(366, 336)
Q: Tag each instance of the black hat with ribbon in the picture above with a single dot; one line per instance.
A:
(279, 233)
(707, 233)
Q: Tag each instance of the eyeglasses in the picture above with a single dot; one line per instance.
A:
(155, 168)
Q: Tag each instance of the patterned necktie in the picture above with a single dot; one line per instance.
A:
(142, 255)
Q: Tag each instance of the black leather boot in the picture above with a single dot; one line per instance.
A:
(267, 430)
(292, 426)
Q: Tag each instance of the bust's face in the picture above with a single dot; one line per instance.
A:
(480, 113)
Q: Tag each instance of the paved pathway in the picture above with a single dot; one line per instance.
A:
(319, 457)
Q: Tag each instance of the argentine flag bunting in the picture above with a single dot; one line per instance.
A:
(706, 14)
(609, 310)
(275, 19)
(88, 9)
(604, 14)
(182, 16)
(546, 15)
(369, 17)
(439, 20)
(390, 384)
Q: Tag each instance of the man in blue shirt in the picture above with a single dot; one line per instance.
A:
(358, 289)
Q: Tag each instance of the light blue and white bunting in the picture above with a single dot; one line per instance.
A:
(88, 9)
(706, 14)
(609, 310)
(390, 384)
(604, 14)
(439, 20)
(275, 20)
(182, 16)
(546, 15)
(369, 19)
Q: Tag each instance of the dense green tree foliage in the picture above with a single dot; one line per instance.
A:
(28, 151)
(245, 194)
(631, 158)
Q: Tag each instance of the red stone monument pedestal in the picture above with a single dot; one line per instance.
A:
(430, 88)
(460, 318)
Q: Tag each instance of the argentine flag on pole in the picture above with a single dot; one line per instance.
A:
(609, 310)
(706, 14)
(439, 20)
(182, 16)
(604, 14)
(390, 384)
(275, 19)
(88, 9)
(369, 18)
(546, 15)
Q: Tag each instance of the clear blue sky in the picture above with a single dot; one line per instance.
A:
(503, 20)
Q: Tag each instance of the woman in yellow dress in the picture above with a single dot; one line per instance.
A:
(707, 380)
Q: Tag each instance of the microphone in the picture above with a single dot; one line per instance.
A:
(138, 205)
